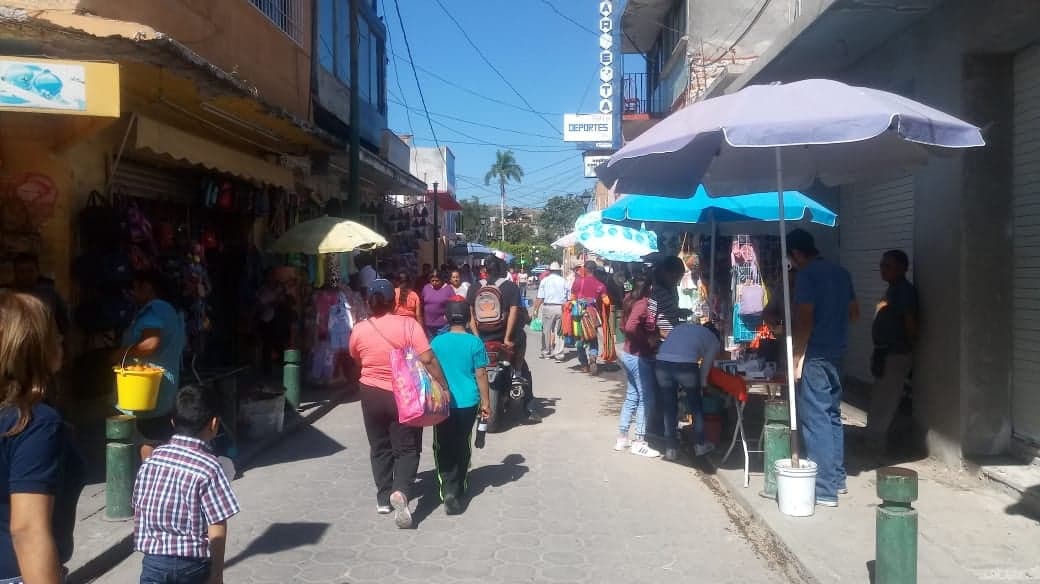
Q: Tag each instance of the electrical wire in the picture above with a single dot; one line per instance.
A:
(415, 74)
(747, 30)
(569, 19)
(479, 124)
(400, 87)
(491, 65)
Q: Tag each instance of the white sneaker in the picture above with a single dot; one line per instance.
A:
(702, 449)
(621, 444)
(643, 449)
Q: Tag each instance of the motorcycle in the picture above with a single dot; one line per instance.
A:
(507, 390)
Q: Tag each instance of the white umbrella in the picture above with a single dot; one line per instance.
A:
(784, 136)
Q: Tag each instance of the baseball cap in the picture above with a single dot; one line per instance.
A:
(554, 267)
(382, 287)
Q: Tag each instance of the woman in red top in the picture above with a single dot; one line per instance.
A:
(394, 447)
(638, 360)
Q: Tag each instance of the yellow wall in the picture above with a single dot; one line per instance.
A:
(231, 34)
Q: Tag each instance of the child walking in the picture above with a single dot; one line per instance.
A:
(464, 361)
(182, 499)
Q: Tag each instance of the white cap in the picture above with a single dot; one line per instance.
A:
(555, 267)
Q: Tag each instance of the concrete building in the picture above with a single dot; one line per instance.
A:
(436, 167)
(968, 220)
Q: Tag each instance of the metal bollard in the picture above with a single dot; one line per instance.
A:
(896, 533)
(119, 466)
(776, 442)
(291, 377)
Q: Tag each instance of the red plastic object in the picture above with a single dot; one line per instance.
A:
(734, 385)
(713, 428)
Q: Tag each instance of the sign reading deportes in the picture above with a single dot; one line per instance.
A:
(587, 128)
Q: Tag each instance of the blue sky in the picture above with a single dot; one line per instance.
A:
(550, 61)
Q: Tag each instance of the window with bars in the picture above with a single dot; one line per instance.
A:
(287, 15)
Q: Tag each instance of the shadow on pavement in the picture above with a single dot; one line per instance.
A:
(497, 475)
(309, 443)
(280, 537)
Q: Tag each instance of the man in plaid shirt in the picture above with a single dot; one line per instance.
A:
(182, 499)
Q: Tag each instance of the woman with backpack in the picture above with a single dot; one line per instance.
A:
(394, 447)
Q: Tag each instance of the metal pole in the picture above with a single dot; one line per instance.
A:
(354, 196)
(787, 309)
(896, 531)
(291, 377)
(503, 213)
(119, 466)
(436, 228)
(711, 267)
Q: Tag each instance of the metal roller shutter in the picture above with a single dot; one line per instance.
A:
(875, 217)
(1026, 280)
(140, 179)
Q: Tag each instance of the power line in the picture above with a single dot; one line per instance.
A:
(482, 125)
(415, 74)
(747, 29)
(481, 54)
(569, 19)
(400, 87)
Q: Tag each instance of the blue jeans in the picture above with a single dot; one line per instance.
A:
(672, 377)
(639, 395)
(587, 350)
(819, 418)
(174, 570)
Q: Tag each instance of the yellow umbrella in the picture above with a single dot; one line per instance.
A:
(327, 235)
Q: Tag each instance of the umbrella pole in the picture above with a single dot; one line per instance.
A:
(788, 325)
(711, 269)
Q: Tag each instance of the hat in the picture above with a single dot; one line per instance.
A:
(382, 287)
(555, 267)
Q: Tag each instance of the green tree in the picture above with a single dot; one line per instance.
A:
(518, 232)
(503, 171)
(472, 213)
(558, 216)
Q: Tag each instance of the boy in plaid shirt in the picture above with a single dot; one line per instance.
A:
(182, 499)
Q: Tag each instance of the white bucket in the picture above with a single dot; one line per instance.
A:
(796, 487)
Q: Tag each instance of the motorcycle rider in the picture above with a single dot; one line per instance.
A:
(509, 328)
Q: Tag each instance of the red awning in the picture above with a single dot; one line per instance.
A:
(446, 202)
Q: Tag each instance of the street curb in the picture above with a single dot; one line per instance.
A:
(796, 569)
(123, 548)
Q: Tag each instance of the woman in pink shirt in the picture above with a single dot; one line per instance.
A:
(394, 446)
(638, 360)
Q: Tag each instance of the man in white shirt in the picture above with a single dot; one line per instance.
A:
(552, 293)
(367, 272)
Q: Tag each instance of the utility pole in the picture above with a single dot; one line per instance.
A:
(354, 196)
(436, 229)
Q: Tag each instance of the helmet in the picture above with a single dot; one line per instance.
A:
(457, 312)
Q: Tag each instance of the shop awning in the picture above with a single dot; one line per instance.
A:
(166, 140)
(446, 202)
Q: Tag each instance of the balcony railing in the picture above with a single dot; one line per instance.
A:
(635, 95)
(287, 15)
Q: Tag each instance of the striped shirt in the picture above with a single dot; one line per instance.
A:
(180, 491)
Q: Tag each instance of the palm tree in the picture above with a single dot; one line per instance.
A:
(504, 170)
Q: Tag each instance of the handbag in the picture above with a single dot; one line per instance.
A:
(420, 400)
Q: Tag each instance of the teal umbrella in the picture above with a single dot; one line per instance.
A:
(704, 209)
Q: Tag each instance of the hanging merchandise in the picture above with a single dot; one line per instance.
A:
(197, 290)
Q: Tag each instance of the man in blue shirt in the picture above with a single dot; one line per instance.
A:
(824, 304)
(157, 337)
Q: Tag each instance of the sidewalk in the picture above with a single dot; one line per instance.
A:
(102, 543)
(968, 530)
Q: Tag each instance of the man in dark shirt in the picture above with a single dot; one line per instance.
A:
(824, 304)
(511, 333)
(894, 331)
(27, 279)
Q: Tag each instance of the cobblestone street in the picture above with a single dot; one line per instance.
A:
(553, 503)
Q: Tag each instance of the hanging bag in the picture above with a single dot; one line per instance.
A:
(421, 401)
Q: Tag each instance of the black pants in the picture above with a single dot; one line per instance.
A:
(394, 447)
(452, 450)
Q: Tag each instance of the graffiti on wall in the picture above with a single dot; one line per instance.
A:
(28, 202)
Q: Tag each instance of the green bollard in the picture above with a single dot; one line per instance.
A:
(776, 442)
(896, 537)
(119, 466)
(291, 377)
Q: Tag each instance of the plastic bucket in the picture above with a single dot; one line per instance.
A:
(713, 428)
(796, 487)
(137, 391)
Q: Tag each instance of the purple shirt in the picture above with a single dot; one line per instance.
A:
(435, 303)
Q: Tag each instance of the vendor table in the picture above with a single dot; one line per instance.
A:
(767, 388)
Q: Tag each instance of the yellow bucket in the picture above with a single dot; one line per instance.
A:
(137, 390)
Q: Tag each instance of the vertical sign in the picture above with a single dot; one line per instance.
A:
(609, 66)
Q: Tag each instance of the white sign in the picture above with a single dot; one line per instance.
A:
(606, 58)
(588, 127)
(592, 162)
